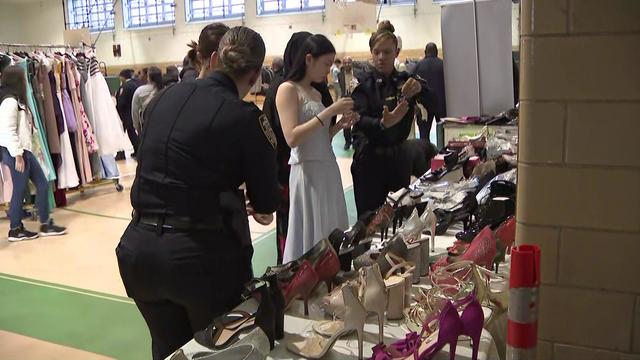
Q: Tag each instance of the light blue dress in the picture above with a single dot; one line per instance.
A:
(317, 205)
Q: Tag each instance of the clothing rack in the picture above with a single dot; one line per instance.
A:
(82, 46)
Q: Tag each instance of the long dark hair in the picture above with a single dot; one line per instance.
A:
(155, 77)
(316, 46)
(13, 84)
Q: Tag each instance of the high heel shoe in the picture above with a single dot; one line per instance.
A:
(482, 251)
(450, 327)
(226, 329)
(372, 293)
(472, 322)
(325, 262)
(430, 220)
(492, 214)
(299, 283)
(345, 241)
(412, 232)
(462, 213)
(317, 346)
(278, 300)
(381, 221)
(506, 233)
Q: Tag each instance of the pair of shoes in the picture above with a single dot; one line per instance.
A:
(258, 310)
(316, 346)
(450, 326)
(372, 294)
(461, 212)
(299, 278)
(46, 229)
(481, 251)
(492, 214)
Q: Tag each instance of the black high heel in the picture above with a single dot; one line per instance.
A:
(256, 311)
(278, 303)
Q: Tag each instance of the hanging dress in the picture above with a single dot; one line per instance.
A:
(108, 127)
(39, 141)
(67, 175)
(84, 134)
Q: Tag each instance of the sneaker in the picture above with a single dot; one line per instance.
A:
(50, 229)
(21, 233)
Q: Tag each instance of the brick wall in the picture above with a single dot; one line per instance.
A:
(579, 173)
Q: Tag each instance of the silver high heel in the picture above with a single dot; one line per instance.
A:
(429, 221)
(317, 346)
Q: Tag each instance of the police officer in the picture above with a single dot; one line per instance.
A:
(186, 255)
(385, 100)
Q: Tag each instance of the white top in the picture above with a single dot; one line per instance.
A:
(16, 128)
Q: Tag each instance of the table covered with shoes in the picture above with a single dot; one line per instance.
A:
(420, 278)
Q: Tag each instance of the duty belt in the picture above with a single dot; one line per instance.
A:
(174, 222)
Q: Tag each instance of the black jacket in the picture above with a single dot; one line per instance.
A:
(431, 69)
(374, 91)
(200, 141)
(124, 97)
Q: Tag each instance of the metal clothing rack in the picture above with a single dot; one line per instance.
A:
(81, 46)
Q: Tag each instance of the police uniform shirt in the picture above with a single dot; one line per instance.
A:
(199, 141)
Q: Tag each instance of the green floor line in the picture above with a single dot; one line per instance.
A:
(66, 288)
(95, 214)
(72, 319)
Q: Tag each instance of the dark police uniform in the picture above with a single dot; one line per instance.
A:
(187, 253)
(381, 163)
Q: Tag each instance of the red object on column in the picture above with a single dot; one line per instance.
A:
(524, 282)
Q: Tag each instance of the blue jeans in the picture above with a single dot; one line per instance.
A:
(33, 171)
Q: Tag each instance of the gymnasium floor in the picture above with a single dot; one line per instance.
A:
(62, 297)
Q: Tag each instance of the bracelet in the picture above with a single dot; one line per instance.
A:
(321, 122)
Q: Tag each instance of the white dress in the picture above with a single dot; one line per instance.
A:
(317, 205)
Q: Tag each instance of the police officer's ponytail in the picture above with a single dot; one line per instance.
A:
(241, 50)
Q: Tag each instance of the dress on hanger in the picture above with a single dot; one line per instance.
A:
(108, 127)
(83, 134)
(67, 174)
(317, 205)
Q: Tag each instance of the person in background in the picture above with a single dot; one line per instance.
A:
(385, 100)
(190, 65)
(283, 150)
(143, 76)
(207, 46)
(124, 98)
(186, 255)
(277, 67)
(172, 75)
(16, 136)
(347, 81)
(335, 73)
(431, 69)
(399, 65)
(317, 198)
(143, 95)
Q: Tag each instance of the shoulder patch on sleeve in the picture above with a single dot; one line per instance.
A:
(268, 131)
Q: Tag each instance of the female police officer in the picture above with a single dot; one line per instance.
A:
(385, 100)
(187, 253)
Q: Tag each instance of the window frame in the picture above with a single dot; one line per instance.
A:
(226, 5)
(75, 16)
(283, 10)
(127, 16)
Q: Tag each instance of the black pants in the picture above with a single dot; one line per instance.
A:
(425, 126)
(376, 172)
(127, 122)
(181, 281)
(348, 140)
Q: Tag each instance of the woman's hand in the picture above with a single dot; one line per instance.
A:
(19, 164)
(411, 88)
(347, 120)
(342, 106)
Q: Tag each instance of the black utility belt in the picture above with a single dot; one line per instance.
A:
(386, 150)
(174, 222)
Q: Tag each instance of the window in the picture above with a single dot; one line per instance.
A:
(198, 10)
(143, 13)
(97, 15)
(266, 7)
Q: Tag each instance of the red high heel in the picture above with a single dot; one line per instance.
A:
(481, 251)
(506, 233)
(301, 284)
